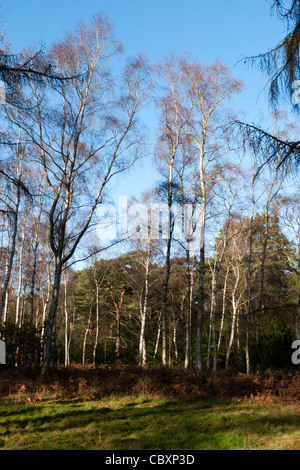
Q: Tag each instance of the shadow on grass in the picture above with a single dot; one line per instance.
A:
(140, 424)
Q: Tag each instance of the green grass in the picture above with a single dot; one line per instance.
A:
(147, 423)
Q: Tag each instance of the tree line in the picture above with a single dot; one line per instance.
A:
(224, 290)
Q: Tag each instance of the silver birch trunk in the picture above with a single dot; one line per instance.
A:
(97, 323)
(223, 312)
(17, 319)
(249, 281)
(66, 323)
(46, 303)
(233, 322)
(87, 330)
(200, 305)
(187, 359)
(142, 343)
(157, 337)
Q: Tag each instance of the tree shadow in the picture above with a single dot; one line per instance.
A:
(144, 425)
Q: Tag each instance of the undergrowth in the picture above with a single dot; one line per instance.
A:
(88, 383)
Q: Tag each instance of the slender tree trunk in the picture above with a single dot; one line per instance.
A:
(249, 297)
(191, 303)
(118, 321)
(33, 276)
(142, 358)
(32, 283)
(263, 256)
(175, 338)
(249, 281)
(157, 337)
(46, 303)
(97, 323)
(200, 305)
(87, 330)
(166, 284)
(17, 320)
(233, 322)
(50, 327)
(23, 305)
(8, 272)
(215, 278)
(212, 333)
(118, 334)
(5, 308)
(188, 345)
(31, 313)
(213, 319)
(223, 313)
(66, 323)
(14, 214)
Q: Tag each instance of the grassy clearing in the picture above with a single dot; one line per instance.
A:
(127, 423)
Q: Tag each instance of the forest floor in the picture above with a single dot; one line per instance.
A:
(126, 408)
(161, 382)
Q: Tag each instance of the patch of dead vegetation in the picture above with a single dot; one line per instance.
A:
(86, 382)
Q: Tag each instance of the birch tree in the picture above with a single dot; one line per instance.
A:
(146, 245)
(209, 88)
(11, 202)
(227, 192)
(86, 137)
(173, 116)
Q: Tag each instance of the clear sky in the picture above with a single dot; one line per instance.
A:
(212, 30)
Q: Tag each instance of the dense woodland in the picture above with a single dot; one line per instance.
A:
(211, 281)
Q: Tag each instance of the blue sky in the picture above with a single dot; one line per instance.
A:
(212, 30)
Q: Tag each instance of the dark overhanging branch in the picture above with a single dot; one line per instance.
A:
(13, 73)
(282, 62)
(16, 182)
(13, 69)
(269, 147)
